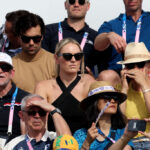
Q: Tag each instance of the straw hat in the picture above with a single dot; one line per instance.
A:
(65, 142)
(98, 89)
(134, 53)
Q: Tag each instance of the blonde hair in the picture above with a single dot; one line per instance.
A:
(60, 45)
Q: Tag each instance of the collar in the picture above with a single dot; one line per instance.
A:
(31, 58)
(47, 134)
(65, 25)
(144, 13)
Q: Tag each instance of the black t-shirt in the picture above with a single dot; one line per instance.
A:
(5, 103)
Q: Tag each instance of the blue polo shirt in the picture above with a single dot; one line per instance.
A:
(115, 25)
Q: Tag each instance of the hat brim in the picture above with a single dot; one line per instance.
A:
(137, 60)
(6, 63)
(91, 99)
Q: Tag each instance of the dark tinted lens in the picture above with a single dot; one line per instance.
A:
(108, 97)
(67, 56)
(5, 67)
(26, 39)
(71, 2)
(81, 2)
(40, 112)
(141, 64)
(78, 56)
(130, 66)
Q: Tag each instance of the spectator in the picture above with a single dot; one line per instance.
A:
(10, 99)
(133, 26)
(74, 26)
(34, 111)
(69, 88)
(105, 122)
(9, 41)
(136, 85)
(33, 64)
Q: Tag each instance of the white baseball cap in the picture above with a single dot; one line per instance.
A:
(5, 58)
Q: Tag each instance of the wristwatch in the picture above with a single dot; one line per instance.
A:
(57, 110)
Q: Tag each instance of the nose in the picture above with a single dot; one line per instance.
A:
(31, 42)
(112, 100)
(76, 3)
(73, 59)
(37, 115)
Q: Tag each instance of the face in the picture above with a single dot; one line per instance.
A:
(9, 32)
(133, 5)
(6, 74)
(34, 121)
(73, 64)
(139, 65)
(31, 40)
(76, 10)
(111, 109)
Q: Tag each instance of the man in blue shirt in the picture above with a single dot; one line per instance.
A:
(133, 26)
(34, 113)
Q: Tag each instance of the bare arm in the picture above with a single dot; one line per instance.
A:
(103, 40)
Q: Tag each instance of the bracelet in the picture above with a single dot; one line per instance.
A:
(147, 90)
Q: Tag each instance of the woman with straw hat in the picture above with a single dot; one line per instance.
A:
(105, 123)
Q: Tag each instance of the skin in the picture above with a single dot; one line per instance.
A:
(68, 73)
(32, 48)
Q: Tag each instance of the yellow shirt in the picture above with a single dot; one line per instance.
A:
(30, 70)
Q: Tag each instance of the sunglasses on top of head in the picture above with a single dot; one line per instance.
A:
(5, 67)
(41, 112)
(132, 65)
(26, 39)
(81, 2)
(68, 56)
(110, 97)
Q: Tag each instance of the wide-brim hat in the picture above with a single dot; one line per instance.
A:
(5, 58)
(99, 89)
(65, 142)
(134, 53)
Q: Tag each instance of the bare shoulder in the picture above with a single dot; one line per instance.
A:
(87, 78)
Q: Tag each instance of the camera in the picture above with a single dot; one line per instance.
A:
(136, 125)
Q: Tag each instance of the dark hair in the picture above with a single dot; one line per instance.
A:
(14, 16)
(117, 120)
(28, 21)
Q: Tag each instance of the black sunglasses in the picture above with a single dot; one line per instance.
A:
(41, 113)
(68, 56)
(81, 2)
(5, 67)
(110, 97)
(132, 65)
(26, 39)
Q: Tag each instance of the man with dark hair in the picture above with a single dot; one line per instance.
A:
(9, 41)
(33, 64)
(10, 101)
(74, 26)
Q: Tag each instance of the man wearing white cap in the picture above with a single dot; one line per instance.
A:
(10, 97)
(136, 84)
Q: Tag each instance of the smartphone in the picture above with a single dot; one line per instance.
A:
(136, 125)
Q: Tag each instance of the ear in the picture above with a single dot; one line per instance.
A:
(20, 113)
(65, 4)
(88, 6)
(12, 72)
(56, 59)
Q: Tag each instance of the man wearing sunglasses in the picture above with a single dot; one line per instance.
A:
(136, 84)
(10, 101)
(74, 26)
(33, 64)
(131, 26)
(34, 112)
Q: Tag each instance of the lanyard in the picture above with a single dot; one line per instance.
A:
(60, 36)
(11, 112)
(109, 138)
(138, 28)
(28, 143)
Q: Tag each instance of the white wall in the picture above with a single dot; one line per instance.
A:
(53, 10)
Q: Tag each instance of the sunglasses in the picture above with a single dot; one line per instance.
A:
(81, 2)
(110, 97)
(132, 65)
(41, 113)
(68, 56)
(26, 39)
(5, 67)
